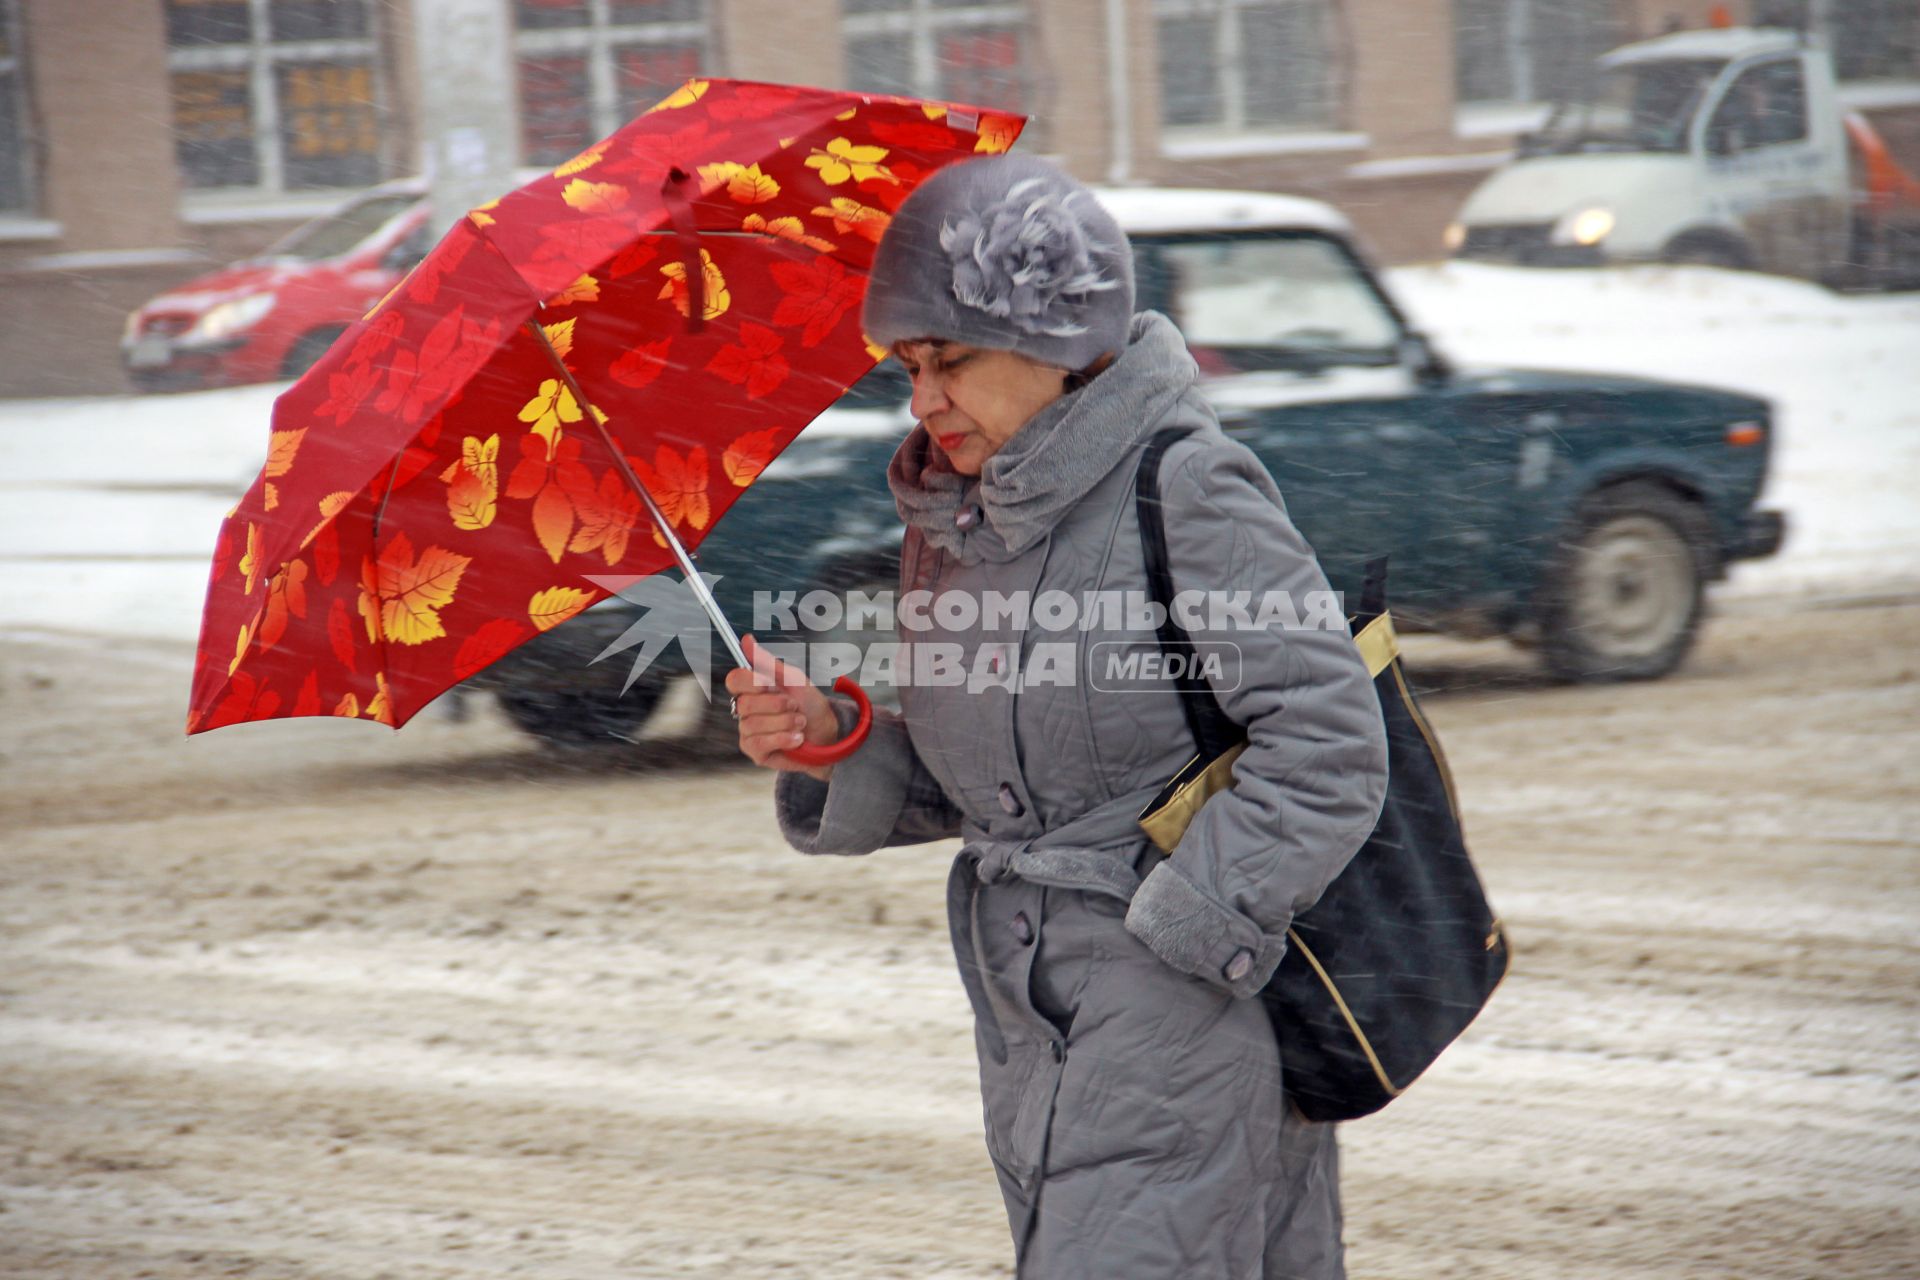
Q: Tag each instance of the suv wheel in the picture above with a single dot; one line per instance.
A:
(577, 718)
(1623, 596)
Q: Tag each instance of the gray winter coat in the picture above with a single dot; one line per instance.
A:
(1131, 1084)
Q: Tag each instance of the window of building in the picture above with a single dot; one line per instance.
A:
(589, 66)
(274, 95)
(949, 49)
(1530, 50)
(16, 195)
(1248, 64)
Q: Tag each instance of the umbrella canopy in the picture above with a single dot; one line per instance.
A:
(436, 492)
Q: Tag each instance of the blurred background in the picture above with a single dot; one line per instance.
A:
(1604, 310)
(143, 143)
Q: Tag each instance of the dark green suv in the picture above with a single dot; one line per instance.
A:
(1578, 513)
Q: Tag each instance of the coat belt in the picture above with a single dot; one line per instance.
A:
(1095, 852)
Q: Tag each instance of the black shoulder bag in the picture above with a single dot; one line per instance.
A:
(1402, 950)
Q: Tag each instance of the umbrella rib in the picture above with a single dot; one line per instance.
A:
(694, 580)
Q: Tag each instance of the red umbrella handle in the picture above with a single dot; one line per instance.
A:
(811, 754)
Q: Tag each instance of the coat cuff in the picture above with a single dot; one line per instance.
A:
(1198, 936)
(853, 813)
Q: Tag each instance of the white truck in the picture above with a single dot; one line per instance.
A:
(1727, 147)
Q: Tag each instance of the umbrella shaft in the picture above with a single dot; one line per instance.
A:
(660, 521)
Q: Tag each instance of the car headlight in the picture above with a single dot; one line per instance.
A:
(1584, 226)
(1454, 236)
(229, 318)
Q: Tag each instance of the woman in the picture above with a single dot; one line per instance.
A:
(1131, 1081)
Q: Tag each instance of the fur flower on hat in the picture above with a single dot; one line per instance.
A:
(1017, 258)
(1006, 252)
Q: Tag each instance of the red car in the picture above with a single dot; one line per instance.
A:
(271, 317)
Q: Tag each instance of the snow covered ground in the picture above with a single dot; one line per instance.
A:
(1843, 373)
(111, 504)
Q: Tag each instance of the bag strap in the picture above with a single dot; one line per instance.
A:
(1213, 730)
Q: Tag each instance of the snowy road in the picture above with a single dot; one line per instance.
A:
(313, 1001)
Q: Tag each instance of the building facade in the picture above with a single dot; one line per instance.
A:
(144, 141)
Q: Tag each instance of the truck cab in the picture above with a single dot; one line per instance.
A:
(1723, 147)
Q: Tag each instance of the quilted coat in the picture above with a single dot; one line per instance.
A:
(1131, 1086)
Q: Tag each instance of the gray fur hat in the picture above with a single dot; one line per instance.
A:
(1005, 252)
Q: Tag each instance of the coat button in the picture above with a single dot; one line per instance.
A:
(1238, 967)
(1059, 1051)
(1022, 929)
(967, 517)
(1010, 802)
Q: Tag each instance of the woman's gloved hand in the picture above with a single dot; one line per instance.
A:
(777, 709)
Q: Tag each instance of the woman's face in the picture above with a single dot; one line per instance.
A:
(971, 399)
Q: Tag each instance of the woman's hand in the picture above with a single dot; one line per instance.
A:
(777, 708)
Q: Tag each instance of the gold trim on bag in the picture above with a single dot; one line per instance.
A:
(1353, 1025)
(1433, 745)
(1378, 644)
(1167, 815)
(1165, 819)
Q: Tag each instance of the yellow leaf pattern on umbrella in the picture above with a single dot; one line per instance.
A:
(250, 562)
(996, 134)
(561, 337)
(844, 160)
(412, 592)
(678, 485)
(240, 649)
(330, 506)
(685, 96)
(286, 594)
(549, 608)
(607, 517)
(748, 456)
(851, 215)
(553, 520)
(380, 706)
(579, 164)
(281, 448)
(831, 189)
(585, 289)
(717, 299)
(473, 483)
(547, 410)
(787, 229)
(595, 197)
(370, 599)
(745, 183)
(479, 216)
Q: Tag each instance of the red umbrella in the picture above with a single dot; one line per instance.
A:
(577, 382)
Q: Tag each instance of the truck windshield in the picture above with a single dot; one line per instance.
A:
(339, 231)
(1639, 106)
